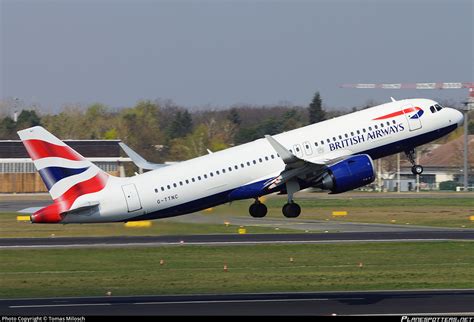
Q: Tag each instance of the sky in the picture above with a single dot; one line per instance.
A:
(222, 53)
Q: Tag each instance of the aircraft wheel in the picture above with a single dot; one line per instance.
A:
(291, 210)
(258, 210)
(417, 169)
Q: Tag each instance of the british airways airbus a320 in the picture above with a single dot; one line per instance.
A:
(335, 155)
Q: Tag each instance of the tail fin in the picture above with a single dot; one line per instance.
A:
(66, 173)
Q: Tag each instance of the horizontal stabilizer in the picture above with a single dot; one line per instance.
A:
(30, 210)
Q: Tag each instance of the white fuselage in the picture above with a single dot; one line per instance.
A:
(207, 180)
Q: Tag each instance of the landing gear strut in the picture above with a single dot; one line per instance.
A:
(258, 209)
(416, 169)
(291, 209)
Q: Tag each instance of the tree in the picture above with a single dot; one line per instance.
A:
(27, 119)
(7, 129)
(234, 116)
(181, 125)
(315, 109)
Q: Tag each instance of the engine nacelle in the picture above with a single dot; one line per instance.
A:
(348, 174)
(47, 215)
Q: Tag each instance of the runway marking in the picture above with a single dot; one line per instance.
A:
(249, 301)
(57, 305)
(218, 243)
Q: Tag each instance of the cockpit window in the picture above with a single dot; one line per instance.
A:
(432, 109)
(438, 107)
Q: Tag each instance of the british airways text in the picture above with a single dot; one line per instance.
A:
(366, 137)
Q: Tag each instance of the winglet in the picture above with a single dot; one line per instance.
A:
(138, 160)
(285, 155)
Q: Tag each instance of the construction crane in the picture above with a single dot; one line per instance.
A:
(468, 105)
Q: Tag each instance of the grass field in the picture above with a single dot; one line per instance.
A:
(256, 268)
(441, 212)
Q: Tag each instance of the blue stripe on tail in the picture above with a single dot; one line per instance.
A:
(51, 175)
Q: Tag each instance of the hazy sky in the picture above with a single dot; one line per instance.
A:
(220, 53)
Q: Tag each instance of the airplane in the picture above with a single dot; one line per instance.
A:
(335, 155)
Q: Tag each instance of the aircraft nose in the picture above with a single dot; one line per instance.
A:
(458, 117)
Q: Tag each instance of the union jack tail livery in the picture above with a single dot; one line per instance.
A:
(66, 173)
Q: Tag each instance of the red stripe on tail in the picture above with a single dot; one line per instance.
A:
(38, 149)
(94, 184)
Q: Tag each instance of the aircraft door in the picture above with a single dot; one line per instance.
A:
(132, 198)
(412, 115)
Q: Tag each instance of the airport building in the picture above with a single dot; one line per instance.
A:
(441, 163)
(18, 173)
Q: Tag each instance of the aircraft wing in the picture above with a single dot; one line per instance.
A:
(297, 168)
(139, 160)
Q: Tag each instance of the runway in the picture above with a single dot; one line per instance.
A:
(458, 302)
(233, 239)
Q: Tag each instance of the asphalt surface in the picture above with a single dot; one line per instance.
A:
(458, 302)
(231, 239)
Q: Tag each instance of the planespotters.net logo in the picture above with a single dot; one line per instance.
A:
(437, 318)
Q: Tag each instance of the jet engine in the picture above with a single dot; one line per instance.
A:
(348, 174)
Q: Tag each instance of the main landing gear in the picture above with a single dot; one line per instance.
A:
(290, 209)
(416, 169)
(258, 209)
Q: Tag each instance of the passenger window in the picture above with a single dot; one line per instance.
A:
(162, 188)
(187, 181)
(260, 160)
(217, 172)
(370, 128)
(193, 180)
(254, 162)
(352, 133)
(346, 135)
(340, 137)
(241, 165)
(376, 127)
(199, 177)
(272, 156)
(212, 174)
(358, 132)
(156, 190)
(168, 186)
(205, 176)
(315, 143)
(236, 167)
(363, 130)
(381, 124)
(322, 142)
(266, 158)
(248, 163)
(181, 183)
